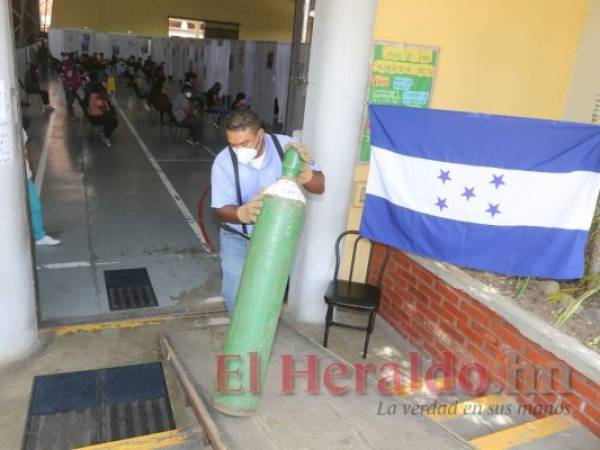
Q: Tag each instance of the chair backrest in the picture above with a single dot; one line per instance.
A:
(357, 239)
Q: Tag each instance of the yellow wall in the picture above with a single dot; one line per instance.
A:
(512, 57)
(497, 56)
(261, 20)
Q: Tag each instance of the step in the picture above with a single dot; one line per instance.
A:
(526, 434)
(179, 439)
(480, 416)
(575, 438)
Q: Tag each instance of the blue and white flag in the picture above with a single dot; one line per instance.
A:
(495, 193)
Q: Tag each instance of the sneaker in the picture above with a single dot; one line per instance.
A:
(105, 140)
(49, 108)
(47, 240)
(191, 141)
(147, 107)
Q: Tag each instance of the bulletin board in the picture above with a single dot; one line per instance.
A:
(401, 75)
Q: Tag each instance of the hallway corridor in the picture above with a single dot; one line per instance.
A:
(112, 210)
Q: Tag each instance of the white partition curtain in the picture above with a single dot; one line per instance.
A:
(216, 58)
(199, 67)
(103, 44)
(259, 69)
(56, 42)
(282, 77)
(249, 57)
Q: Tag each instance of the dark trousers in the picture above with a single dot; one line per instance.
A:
(195, 126)
(70, 97)
(108, 121)
(166, 111)
(43, 95)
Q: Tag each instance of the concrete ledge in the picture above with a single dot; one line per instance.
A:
(567, 348)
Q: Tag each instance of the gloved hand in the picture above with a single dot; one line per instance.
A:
(307, 173)
(248, 212)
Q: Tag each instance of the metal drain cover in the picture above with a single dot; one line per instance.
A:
(129, 289)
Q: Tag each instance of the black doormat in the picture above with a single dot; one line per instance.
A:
(129, 289)
(76, 409)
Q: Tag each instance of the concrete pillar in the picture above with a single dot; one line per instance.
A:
(18, 328)
(337, 82)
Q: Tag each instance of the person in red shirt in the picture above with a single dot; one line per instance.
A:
(102, 113)
(71, 82)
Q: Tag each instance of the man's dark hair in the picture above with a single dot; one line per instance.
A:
(242, 120)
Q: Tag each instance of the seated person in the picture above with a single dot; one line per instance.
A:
(32, 86)
(185, 116)
(240, 102)
(159, 71)
(213, 101)
(191, 79)
(102, 113)
(159, 98)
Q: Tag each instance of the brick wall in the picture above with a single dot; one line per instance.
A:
(438, 318)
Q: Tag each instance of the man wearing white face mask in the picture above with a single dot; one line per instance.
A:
(185, 117)
(250, 163)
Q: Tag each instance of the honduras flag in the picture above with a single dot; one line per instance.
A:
(495, 193)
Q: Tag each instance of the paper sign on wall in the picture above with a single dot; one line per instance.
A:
(401, 75)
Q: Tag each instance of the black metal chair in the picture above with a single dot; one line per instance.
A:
(362, 297)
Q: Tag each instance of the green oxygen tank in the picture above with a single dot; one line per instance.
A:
(260, 294)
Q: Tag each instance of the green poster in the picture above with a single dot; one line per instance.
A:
(401, 75)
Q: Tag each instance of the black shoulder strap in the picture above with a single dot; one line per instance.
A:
(277, 146)
(238, 187)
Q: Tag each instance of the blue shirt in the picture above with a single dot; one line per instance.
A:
(252, 180)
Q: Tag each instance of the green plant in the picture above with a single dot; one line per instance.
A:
(592, 287)
(595, 343)
(521, 286)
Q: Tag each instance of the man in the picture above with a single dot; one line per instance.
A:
(102, 113)
(32, 86)
(43, 56)
(256, 157)
(185, 116)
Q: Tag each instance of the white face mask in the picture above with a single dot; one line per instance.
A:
(188, 94)
(245, 155)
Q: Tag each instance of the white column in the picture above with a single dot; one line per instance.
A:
(337, 81)
(584, 90)
(18, 328)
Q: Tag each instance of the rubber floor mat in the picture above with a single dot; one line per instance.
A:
(71, 410)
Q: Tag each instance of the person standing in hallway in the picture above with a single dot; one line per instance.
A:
(102, 113)
(35, 206)
(43, 57)
(32, 86)
(71, 83)
(251, 162)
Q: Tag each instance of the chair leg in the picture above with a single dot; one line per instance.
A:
(370, 327)
(328, 319)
